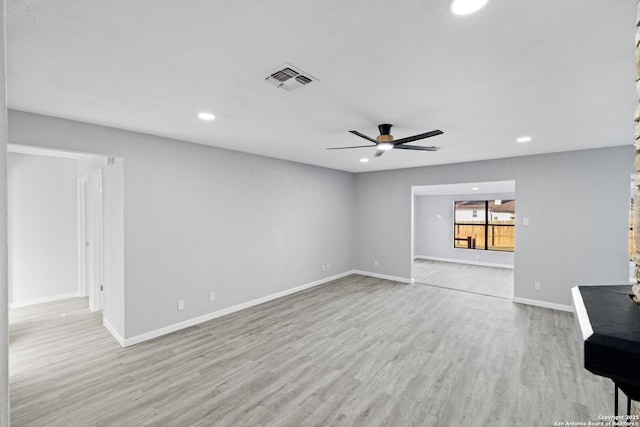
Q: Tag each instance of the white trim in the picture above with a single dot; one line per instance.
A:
(580, 315)
(126, 342)
(96, 241)
(42, 300)
(543, 304)
(461, 261)
(383, 276)
(40, 151)
(113, 332)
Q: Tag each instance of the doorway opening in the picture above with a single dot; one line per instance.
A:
(480, 261)
(59, 215)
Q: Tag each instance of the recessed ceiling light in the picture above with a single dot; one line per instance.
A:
(384, 146)
(475, 188)
(466, 7)
(206, 116)
(523, 139)
(365, 160)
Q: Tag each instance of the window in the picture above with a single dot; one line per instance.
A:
(484, 224)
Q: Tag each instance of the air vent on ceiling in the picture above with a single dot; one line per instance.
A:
(303, 79)
(284, 75)
(289, 78)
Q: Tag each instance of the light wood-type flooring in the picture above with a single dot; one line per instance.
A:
(358, 351)
(479, 279)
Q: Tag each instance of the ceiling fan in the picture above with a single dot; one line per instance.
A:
(385, 141)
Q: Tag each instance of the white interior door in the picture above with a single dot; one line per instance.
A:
(95, 248)
(83, 236)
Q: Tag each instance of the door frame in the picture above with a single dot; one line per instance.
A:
(96, 242)
(83, 238)
(91, 239)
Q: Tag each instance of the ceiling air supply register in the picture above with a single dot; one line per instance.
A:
(289, 78)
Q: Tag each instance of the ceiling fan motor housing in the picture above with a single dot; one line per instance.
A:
(385, 133)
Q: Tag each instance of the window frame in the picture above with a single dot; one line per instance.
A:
(486, 226)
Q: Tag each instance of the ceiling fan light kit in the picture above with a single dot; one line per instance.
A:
(385, 141)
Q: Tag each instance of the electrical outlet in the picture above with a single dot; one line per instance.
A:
(536, 285)
(212, 296)
(375, 263)
(323, 267)
(328, 266)
(180, 304)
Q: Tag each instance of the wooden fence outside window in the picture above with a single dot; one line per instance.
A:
(500, 235)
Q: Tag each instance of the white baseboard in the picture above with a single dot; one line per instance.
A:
(461, 261)
(126, 342)
(43, 300)
(543, 304)
(383, 276)
(113, 332)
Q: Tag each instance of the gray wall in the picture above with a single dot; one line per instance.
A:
(199, 219)
(577, 204)
(433, 230)
(43, 230)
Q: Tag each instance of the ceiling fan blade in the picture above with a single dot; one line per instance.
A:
(357, 146)
(361, 135)
(379, 153)
(417, 137)
(415, 147)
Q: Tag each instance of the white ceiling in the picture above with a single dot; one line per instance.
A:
(559, 71)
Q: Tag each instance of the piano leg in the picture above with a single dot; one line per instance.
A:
(616, 402)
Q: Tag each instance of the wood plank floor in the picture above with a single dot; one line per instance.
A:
(480, 279)
(358, 351)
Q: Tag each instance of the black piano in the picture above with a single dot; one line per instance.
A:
(608, 323)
